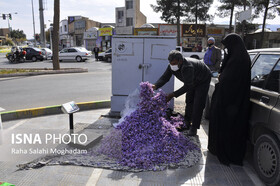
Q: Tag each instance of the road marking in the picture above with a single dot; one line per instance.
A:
(16, 125)
(94, 177)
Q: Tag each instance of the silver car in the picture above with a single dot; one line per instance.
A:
(74, 53)
(264, 112)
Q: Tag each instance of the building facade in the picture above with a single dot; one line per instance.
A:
(64, 38)
(271, 40)
(129, 17)
(77, 26)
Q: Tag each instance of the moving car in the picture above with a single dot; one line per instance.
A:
(107, 55)
(74, 53)
(47, 53)
(264, 112)
(34, 54)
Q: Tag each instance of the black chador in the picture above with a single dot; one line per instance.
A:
(229, 113)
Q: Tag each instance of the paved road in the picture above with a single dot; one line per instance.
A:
(47, 90)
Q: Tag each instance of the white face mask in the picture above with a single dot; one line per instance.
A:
(174, 67)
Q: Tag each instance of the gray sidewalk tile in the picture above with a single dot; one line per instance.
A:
(207, 172)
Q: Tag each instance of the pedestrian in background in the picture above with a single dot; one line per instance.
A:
(229, 112)
(96, 50)
(212, 57)
(196, 77)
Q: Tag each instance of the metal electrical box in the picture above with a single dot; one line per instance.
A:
(136, 59)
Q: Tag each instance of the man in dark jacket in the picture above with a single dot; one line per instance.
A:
(96, 50)
(196, 77)
(212, 57)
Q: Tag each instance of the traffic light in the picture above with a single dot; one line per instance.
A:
(10, 16)
(4, 16)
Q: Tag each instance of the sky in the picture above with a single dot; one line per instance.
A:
(98, 10)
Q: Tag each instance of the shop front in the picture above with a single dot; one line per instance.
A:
(146, 31)
(194, 37)
(105, 37)
(90, 37)
(217, 33)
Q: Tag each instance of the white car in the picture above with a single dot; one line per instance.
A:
(47, 52)
(102, 55)
(74, 53)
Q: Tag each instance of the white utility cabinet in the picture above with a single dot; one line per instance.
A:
(137, 59)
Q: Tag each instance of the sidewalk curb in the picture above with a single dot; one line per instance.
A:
(44, 71)
(50, 110)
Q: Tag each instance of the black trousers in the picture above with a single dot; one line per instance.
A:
(195, 103)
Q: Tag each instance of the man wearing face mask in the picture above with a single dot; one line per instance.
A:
(212, 57)
(196, 77)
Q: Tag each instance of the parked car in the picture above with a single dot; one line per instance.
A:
(102, 55)
(264, 112)
(108, 56)
(34, 54)
(47, 53)
(74, 53)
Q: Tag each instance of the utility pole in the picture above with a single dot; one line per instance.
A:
(33, 23)
(42, 24)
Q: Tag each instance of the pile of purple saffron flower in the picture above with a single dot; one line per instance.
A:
(146, 138)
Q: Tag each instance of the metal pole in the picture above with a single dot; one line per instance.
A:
(71, 123)
(236, 14)
(42, 24)
(8, 18)
(33, 23)
(51, 37)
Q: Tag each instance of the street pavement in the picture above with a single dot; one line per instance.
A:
(208, 171)
(47, 90)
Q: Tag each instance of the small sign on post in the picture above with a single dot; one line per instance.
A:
(70, 108)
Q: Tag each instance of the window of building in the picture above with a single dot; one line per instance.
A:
(129, 4)
(65, 28)
(120, 16)
(129, 21)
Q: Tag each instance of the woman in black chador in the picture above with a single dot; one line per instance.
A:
(229, 114)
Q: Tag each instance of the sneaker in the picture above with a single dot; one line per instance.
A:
(192, 132)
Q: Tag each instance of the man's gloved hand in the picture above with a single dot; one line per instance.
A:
(169, 97)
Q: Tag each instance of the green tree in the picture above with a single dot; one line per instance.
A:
(270, 8)
(9, 42)
(37, 37)
(227, 9)
(199, 12)
(48, 35)
(172, 12)
(18, 34)
(246, 27)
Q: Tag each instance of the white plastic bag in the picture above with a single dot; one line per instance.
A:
(130, 106)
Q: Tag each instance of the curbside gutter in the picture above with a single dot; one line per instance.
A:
(50, 110)
(43, 71)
